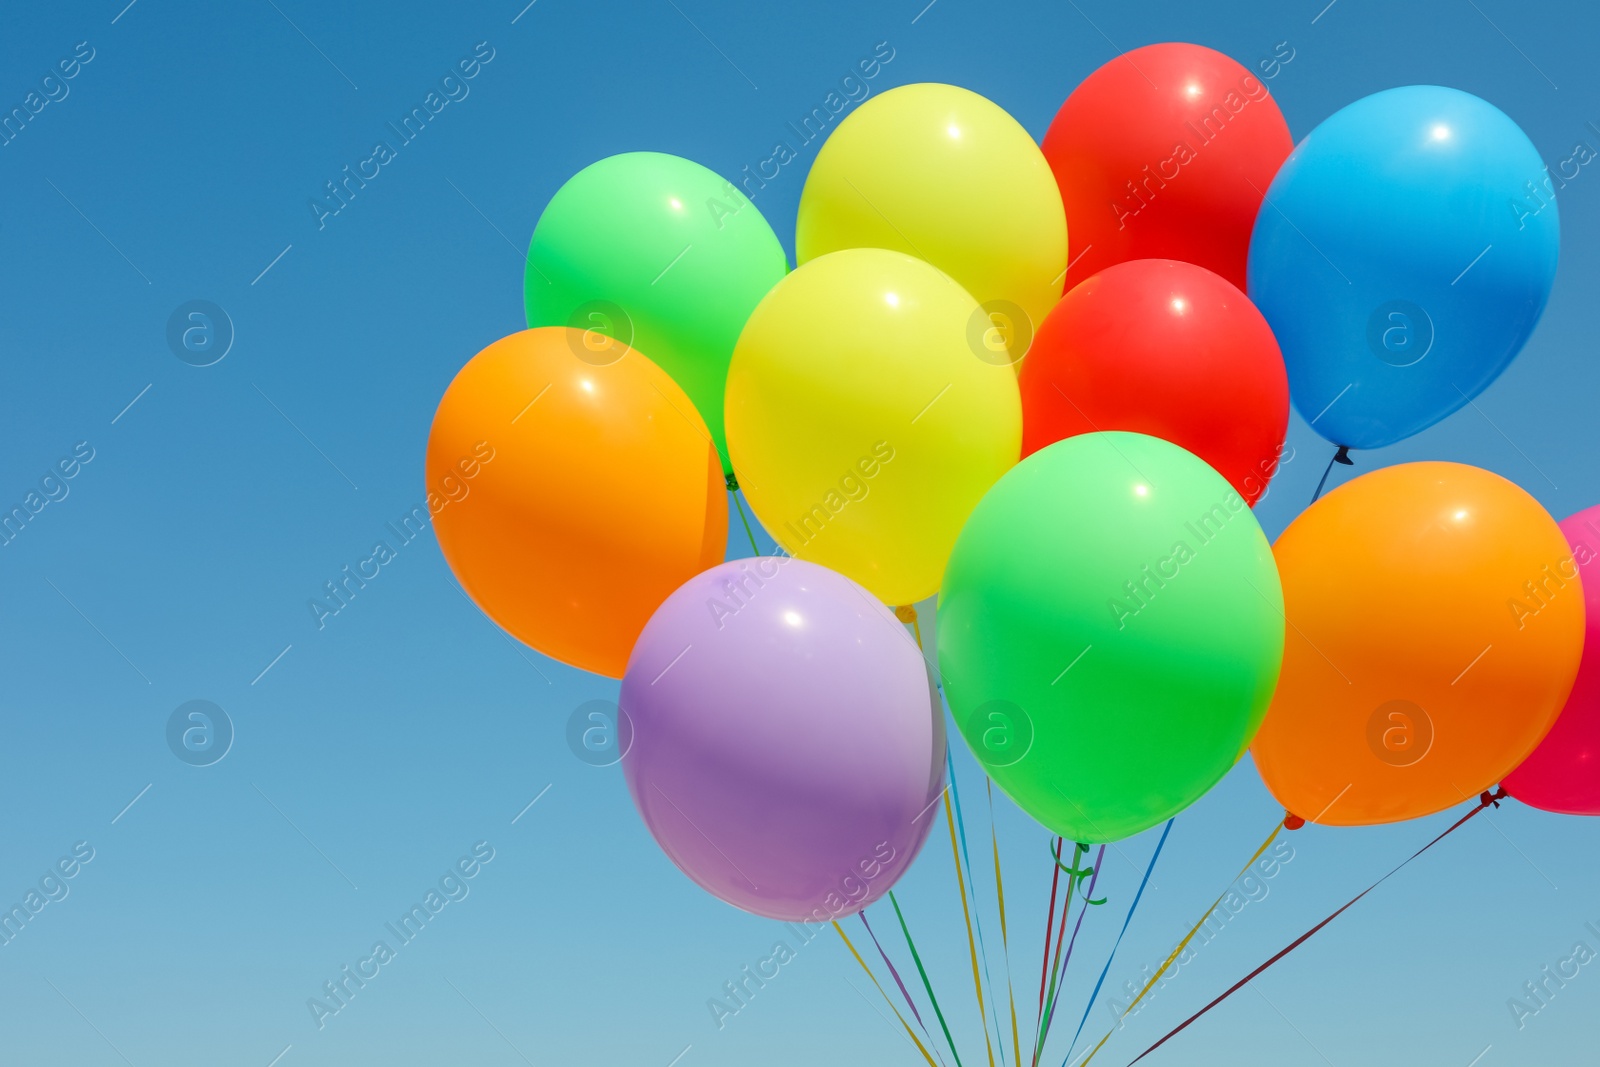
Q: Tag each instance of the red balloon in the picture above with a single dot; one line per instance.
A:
(1165, 153)
(1563, 773)
(1163, 348)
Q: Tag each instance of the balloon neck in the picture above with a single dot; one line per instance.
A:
(1342, 456)
(731, 481)
(1292, 822)
(907, 613)
(1492, 798)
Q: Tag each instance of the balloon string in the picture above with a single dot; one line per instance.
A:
(1128, 919)
(1176, 952)
(1066, 906)
(966, 914)
(887, 962)
(1049, 925)
(907, 613)
(1005, 946)
(1341, 456)
(734, 489)
(909, 1032)
(1484, 802)
(977, 916)
(927, 985)
(1088, 899)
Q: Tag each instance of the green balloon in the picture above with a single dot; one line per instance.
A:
(661, 254)
(1110, 632)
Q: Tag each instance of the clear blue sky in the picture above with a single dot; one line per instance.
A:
(178, 164)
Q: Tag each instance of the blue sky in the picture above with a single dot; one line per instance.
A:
(368, 757)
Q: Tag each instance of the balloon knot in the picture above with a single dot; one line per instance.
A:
(1079, 850)
(1492, 798)
(732, 482)
(906, 613)
(1343, 456)
(1292, 822)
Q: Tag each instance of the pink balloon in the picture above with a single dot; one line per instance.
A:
(1563, 773)
(787, 742)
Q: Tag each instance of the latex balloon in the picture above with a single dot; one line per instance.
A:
(1164, 348)
(787, 742)
(1164, 153)
(653, 252)
(945, 175)
(1563, 773)
(1403, 256)
(1432, 640)
(570, 499)
(862, 425)
(1110, 632)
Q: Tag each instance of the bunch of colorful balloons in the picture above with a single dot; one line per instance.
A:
(1046, 384)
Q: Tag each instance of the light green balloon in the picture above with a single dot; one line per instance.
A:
(661, 254)
(1110, 632)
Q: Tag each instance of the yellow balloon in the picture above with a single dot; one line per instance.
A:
(862, 423)
(943, 174)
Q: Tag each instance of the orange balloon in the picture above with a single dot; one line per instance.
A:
(1435, 623)
(573, 486)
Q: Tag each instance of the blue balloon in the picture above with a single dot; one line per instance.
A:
(1403, 254)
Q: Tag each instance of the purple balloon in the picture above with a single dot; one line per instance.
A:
(787, 739)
